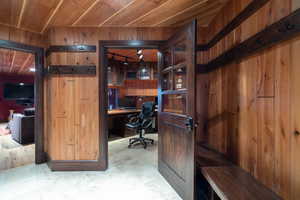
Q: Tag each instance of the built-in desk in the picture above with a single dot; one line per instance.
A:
(122, 111)
(117, 118)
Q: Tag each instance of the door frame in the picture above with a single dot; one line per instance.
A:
(103, 46)
(40, 155)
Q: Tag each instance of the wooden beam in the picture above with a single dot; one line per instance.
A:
(254, 6)
(71, 48)
(285, 29)
(52, 15)
(72, 69)
(25, 63)
(21, 14)
(12, 62)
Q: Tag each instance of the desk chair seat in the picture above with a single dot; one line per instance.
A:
(141, 123)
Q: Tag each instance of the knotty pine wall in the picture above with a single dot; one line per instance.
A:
(73, 108)
(254, 105)
(21, 36)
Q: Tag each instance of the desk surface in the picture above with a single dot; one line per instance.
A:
(122, 111)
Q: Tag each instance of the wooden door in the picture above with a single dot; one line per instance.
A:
(177, 58)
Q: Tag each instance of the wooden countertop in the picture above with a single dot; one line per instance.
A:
(122, 111)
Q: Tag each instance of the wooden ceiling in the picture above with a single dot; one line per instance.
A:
(150, 55)
(16, 62)
(38, 15)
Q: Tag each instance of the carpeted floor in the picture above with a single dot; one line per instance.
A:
(132, 175)
(13, 154)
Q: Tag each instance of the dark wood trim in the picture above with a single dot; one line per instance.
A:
(71, 48)
(40, 156)
(74, 165)
(72, 69)
(285, 29)
(254, 6)
(103, 86)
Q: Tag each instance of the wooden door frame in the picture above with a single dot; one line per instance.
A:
(103, 46)
(40, 155)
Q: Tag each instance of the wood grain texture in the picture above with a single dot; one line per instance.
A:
(250, 109)
(75, 135)
(234, 183)
(21, 36)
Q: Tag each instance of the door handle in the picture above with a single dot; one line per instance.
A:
(189, 123)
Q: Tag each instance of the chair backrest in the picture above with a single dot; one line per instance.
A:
(148, 109)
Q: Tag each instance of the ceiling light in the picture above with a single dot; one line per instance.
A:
(21, 84)
(139, 51)
(126, 61)
(32, 69)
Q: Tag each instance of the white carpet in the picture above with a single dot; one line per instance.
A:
(132, 175)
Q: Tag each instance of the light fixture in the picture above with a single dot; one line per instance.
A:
(32, 69)
(139, 51)
(126, 61)
(21, 84)
(144, 71)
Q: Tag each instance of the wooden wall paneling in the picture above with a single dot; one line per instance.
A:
(61, 140)
(266, 141)
(87, 120)
(264, 113)
(21, 36)
(282, 121)
(295, 120)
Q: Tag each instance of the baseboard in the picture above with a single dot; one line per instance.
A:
(75, 165)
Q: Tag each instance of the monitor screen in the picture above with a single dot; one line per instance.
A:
(18, 91)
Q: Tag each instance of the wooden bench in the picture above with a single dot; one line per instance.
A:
(234, 183)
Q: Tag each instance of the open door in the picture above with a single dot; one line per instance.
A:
(176, 114)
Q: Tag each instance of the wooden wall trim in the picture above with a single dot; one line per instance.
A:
(71, 48)
(72, 69)
(285, 29)
(40, 155)
(254, 6)
(75, 165)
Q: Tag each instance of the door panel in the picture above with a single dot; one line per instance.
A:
(177, 110)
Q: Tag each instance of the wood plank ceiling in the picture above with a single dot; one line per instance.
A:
(16, 62)
(149, 55)
(38, 15)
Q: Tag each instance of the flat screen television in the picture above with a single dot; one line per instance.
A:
(18, 91)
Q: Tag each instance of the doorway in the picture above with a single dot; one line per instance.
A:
(38, 58)
(176, 105)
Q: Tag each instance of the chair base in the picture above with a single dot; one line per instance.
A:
(140, 140)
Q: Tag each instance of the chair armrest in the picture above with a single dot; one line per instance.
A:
(147, 123)
(133, 117)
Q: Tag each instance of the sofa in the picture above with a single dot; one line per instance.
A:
(22, 127)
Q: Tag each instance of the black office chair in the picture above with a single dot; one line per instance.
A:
(142, 123)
